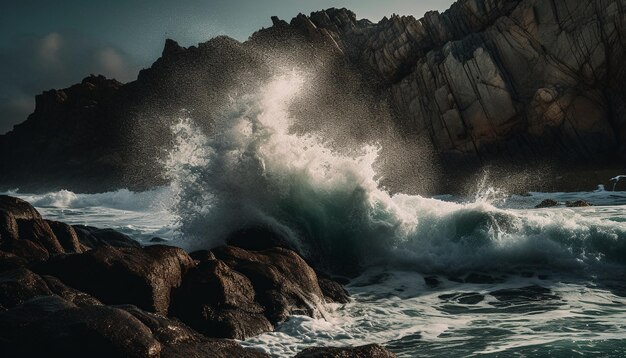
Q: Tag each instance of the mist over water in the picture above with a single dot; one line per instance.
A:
(254, 171)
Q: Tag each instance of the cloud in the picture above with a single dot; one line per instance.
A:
(49, 48)
(32, 64)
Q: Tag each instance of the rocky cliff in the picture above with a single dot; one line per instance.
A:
(526, 83)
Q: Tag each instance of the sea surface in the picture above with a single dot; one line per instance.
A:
(484, 275)
(560, 292)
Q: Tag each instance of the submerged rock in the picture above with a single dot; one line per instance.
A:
(548, 203)
(578, 204)
(368, 351)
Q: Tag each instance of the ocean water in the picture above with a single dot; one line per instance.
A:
(487, 275)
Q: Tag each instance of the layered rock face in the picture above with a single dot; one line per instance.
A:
(516, 82)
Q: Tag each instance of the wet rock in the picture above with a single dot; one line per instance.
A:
(19, 209)
(9, 261)
(94, 331)
(219, 302)
(578, 204)
(368, 351)
(52, 326)
(66, 235)
(202, 255)
(93, 237)
(140, 276)
(284, 283)
(20, 285)
(548, 203)
(24, 233)
(72, 295)
(333, 291)
(178, 340)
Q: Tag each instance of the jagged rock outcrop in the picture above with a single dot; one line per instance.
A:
(109, 298)
(141, 276)
(516, 82)
(235, 293)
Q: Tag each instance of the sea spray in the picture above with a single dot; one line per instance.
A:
(252, 171)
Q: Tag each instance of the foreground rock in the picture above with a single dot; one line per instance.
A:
(24, 233)
(368, 351)
(51, 326)
(237, 293)
(140, 276)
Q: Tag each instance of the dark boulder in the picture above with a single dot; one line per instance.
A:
(66, 235)
(333, 291)
(220, 302)
(20, 285)
(368, 351)
(93, 331)
(578, 204)
(284, 283)
(9, 261)
(139, 276)
(19, 208)
(24, 233)
(178, 340)
(52, 326)
(202, 255)
(38, 231)
(548, 203)
(94, 237)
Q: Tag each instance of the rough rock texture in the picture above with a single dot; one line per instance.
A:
(25, 234)
(284, 283)
(520, 82)
(368, 351)
(143, 277)
(235, 293)
(20, 285)
(93, 237)
(219, 302)
(51, 326)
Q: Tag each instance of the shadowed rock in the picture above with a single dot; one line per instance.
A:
(220, 302)
(548, 203)
(51, 326)
(368, 351)
(94, 237)
(143, 277)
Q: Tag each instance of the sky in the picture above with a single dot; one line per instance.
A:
(47, 44)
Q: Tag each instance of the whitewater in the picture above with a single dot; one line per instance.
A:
(487, 275)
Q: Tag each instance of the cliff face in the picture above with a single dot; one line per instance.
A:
(523, 82)
(502, 79)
